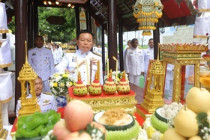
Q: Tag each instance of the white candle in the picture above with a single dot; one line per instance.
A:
(77, 68)
(98, 69)
(88, 74)
(116, 71)
(107, 66)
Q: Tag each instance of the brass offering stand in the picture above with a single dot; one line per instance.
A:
(181, 55)
(27, 74)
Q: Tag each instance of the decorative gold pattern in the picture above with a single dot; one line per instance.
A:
(4, 31)
(147, 13)
(181, 55)
(183, 48)
(105, 103)
(27, 74)
(5, 65)
(153, 98)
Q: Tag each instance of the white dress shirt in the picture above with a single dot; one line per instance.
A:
(83, 59)
(134, 61)
(45, 101)
(148, 55)
(41, 60)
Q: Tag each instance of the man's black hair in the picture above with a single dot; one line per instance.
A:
(85, 31)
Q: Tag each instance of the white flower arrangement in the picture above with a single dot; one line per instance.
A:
(60, 82)
(119, 76)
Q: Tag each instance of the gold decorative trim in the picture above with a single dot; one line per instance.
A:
(105, 103)
(4, 31)
(182, 55)
(5, 101)
(5, 65)
(203, 10)
(183, 48)
(200, 36)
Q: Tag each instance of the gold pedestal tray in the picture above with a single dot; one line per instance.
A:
(105, 102)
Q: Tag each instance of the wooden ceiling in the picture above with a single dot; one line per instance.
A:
(175, 12)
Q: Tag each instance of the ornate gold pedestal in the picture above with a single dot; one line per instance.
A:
(105, 102)
(181, 55)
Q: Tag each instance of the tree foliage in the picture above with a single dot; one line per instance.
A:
(61, 33)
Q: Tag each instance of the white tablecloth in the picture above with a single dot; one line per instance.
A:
(5, 87)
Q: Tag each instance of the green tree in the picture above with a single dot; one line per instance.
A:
(62, 33)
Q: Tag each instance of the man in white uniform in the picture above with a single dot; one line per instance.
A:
(148, 55)
(45, 101)
(83, 60)
(41, 60)
(134, 58)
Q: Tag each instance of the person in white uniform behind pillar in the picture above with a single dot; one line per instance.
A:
(41, 60)
(148, 55)
(134, 65)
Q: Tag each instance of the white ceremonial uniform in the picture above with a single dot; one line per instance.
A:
(41, 60)
(148, 55)
(134, 64)
(70, 61)
(169, 81)
(45, 101)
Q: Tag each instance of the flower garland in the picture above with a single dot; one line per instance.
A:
(60, 82)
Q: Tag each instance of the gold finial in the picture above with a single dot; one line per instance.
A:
(26, 52)
(158, 56)
(79, 76)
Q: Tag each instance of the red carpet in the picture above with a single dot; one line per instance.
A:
(139, 119)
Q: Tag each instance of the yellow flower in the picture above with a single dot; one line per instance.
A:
(56, 75)
(70, 83)
(65, 75)
(62, 85)
(55, 84)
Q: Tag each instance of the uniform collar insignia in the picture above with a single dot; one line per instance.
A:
(46, 101)
(34, 53)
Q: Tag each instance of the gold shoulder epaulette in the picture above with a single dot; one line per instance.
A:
(97, 54)
(48, 93)
(70, 51)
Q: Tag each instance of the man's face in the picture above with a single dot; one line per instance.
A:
(135, 44)
(38, 86)
(151, 44)
(85, 42)
(39, 42)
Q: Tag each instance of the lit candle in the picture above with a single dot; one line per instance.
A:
(107, 66)
(98, 69)
(116, 71)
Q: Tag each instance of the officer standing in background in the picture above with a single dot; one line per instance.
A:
(83, 60)
(134, 58)
(148, 55)
(41, 60)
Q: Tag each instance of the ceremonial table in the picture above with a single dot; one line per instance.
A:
(105, 102)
